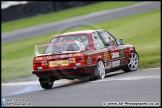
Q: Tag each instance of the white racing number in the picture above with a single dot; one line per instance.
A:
(115, 55)
(115, 63)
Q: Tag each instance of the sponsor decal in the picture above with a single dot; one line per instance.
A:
(122, 61)
(115, 55)
(64, 62)
(48, 57)
(121, 48)
(108, 65)
(102, 50)
(121, 52)
(89, 60)
(38, 58)
(90, 52)
(106, 55)
(77, 54)
(115, 63)
(59, 63)
(66, 55)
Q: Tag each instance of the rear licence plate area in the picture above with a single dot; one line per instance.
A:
(58, 63)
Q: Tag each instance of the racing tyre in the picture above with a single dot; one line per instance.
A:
(99, 71)
(46, 85)
(133, 62)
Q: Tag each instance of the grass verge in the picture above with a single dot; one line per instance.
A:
(54, 16)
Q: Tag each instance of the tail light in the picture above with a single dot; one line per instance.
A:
(82, 61)
(42, 63)
(33, 65)
(71, 60)
(77, 54)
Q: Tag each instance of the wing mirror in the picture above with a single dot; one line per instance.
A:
(121, 41)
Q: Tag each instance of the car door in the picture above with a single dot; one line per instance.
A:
(116, 51)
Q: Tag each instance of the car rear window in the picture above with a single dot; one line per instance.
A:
(83, 38)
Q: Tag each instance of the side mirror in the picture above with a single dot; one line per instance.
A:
(121, 41)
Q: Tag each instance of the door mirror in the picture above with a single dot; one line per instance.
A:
(121, 41)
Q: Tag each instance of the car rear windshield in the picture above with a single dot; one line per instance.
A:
(83, 38)
(66, 43)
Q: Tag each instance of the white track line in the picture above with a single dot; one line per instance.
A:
(150, 68)
(130, 78)
(37, 82)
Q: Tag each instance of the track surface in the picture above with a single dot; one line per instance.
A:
(138, 86)
(80, 20)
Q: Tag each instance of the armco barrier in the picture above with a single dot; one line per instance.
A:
(37, 8)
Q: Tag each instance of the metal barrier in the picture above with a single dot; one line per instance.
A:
(38, 8)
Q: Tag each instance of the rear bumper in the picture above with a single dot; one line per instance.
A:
(64, 71)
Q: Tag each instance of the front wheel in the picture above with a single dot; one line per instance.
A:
(133, 62)
(99, 71)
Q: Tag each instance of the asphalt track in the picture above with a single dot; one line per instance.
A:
(80, 20)
(131, 87)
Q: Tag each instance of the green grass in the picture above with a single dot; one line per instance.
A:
(142, 30)
(54, 16)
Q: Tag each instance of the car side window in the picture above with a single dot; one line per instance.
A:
(97, 42)
(107, 38)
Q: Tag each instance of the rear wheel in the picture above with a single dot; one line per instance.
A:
(46, 84)
(133, 62)
(99, 71)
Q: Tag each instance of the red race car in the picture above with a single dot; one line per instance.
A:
(91, 53)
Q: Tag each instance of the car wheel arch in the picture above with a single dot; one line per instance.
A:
(127, 68)
(130, 50)
(95, 74)
(98, 59)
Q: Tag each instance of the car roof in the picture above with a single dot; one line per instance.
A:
(77, 32)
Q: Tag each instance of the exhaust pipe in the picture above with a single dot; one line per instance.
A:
(44, 79)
